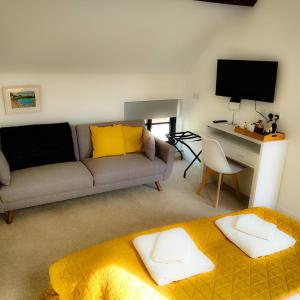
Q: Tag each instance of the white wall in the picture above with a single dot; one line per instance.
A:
(80, 98)
(269, 31)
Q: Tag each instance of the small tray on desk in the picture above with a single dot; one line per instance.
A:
(265, 138)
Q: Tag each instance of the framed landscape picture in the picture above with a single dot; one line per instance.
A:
(22, 99)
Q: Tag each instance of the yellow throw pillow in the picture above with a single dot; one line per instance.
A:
(133, 138)
(107, 141)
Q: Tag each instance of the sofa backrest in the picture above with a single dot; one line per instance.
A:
(84, 135)
(75, 141)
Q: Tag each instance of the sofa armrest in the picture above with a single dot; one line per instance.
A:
(2, 208)
(166, 153)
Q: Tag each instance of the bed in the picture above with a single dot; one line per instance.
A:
(113, 270)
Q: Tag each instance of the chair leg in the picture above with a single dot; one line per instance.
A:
(205, 177)
(158, 186)
(235, 185)
(220, 180)
(9, 217)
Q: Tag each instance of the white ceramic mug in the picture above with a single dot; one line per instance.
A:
(251, 127)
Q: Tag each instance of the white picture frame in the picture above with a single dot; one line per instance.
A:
(22, 99)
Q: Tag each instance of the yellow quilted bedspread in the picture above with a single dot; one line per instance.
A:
(113, 270)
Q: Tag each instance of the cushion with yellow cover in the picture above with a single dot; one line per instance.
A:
(107, 140)
(113, 270)
(133, 138)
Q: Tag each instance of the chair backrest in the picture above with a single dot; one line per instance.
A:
(214, 156)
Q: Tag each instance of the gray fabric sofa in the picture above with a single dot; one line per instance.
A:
(86, 176)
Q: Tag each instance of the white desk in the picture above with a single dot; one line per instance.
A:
(266, 158)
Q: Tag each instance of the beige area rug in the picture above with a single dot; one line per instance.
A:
(41, 235)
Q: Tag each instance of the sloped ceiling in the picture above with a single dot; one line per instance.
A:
(106, 35)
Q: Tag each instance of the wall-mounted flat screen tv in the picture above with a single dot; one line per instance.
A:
(246, 79)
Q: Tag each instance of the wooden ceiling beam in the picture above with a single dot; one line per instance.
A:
(233, 2)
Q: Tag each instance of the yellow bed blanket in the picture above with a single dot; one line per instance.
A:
(113, 270)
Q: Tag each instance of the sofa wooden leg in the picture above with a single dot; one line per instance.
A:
(158, 186)
(9, 217)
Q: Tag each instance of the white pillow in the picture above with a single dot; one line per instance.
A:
(255, 226)
(163, 273)
(251, 245)
(172, 245)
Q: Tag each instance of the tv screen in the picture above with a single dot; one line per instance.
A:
(246, 79)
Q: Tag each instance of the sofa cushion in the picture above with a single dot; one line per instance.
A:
(75, 142)
(126, 167)
(45, 180)
(36, 145)
(84, 135)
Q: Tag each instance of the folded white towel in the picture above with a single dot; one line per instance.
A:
(172, 245)
(253, 225)
(165, 273)
(251, 245)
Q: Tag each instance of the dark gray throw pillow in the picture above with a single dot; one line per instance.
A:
(149, 144)
(4, 170)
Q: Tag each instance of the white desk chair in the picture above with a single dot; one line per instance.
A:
(215, 162)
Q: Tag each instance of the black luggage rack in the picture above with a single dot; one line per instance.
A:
(183, 137)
